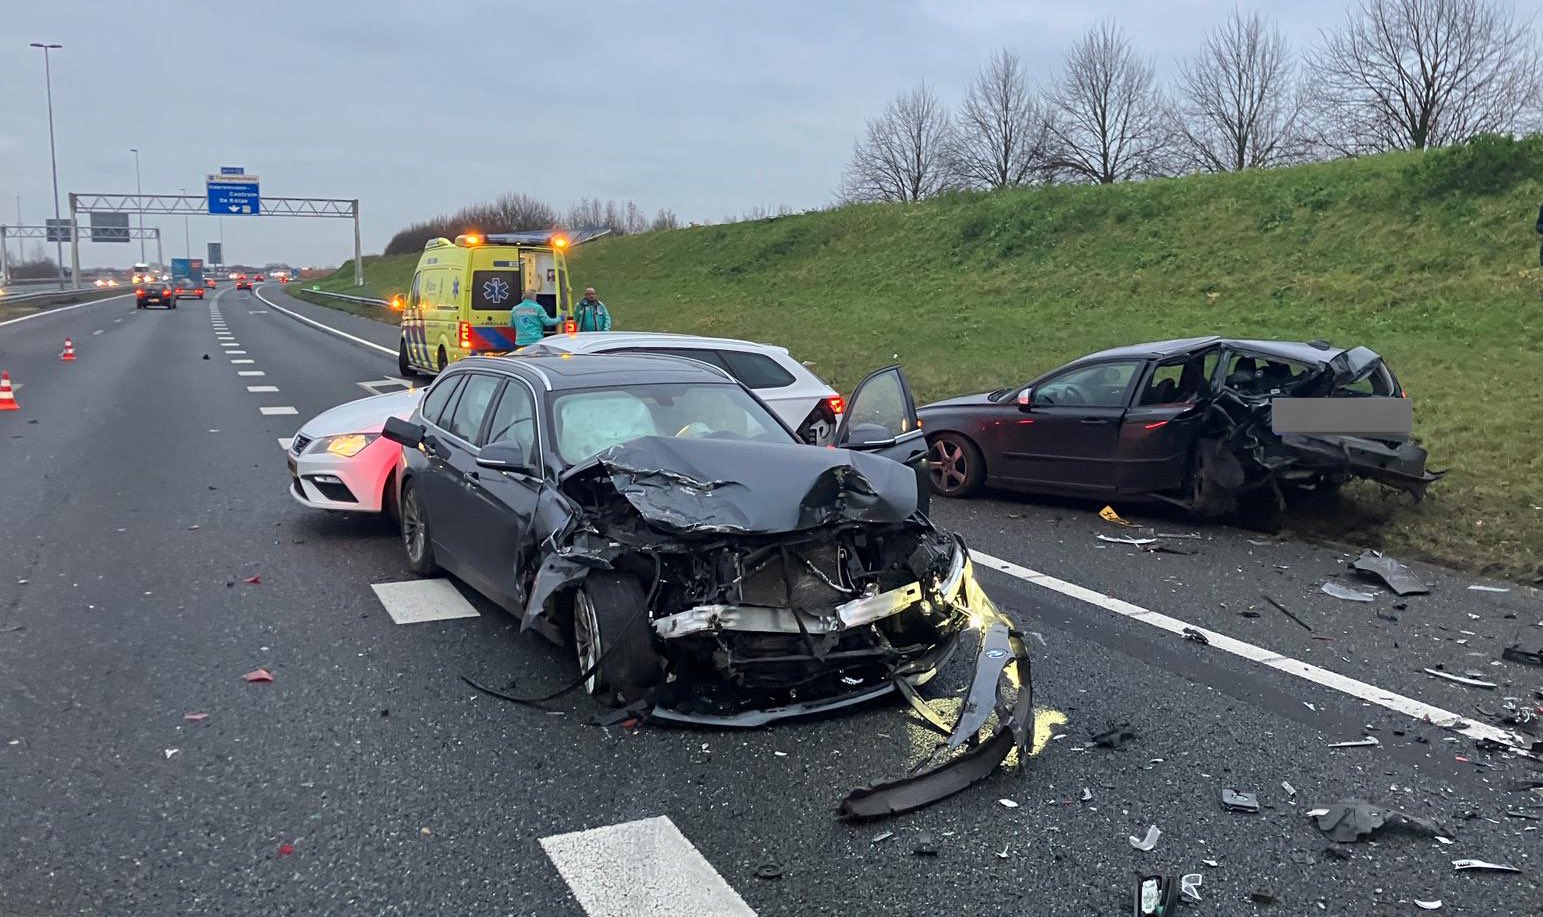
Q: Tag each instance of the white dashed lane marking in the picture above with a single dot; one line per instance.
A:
(277, 411)
(641, 869)
(99, 331)
(251, 372)
(235, 353)
(1333, 680)
(239, 362)
(257, 312)
(262, 388)
(420, 600)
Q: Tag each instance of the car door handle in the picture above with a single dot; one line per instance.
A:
(469, 477)
(1095, 421)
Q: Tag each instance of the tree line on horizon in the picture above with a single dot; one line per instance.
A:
(1396, 75)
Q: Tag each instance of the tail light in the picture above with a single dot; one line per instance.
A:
(140, 292)
(570, 326)
(463, 333)
(837, 404)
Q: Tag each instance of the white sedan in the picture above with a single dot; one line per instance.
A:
(338, 460)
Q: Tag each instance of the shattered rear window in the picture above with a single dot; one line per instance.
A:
(590, 421)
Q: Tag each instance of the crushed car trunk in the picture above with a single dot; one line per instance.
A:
(790, 581)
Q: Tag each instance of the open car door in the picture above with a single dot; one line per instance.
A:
(881, 418)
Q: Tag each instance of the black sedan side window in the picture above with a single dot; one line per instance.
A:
(476, 397)
(1101, 385)
(514, 420)
(439, 396)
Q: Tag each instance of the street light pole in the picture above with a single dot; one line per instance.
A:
(138, 192)
(53, 159)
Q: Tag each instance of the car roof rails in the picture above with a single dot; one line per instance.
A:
(1320, 345)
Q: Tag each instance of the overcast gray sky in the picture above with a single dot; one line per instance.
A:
(709, 108)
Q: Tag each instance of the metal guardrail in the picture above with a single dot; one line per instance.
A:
(344, 296)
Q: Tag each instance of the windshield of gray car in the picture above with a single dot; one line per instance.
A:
(588, 421)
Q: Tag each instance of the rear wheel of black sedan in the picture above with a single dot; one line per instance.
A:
(958, 469)
(415, 533)
(612, 638)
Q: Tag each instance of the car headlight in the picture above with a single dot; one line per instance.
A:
(348, 445)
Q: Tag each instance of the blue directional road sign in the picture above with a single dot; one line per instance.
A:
(232, 170)
(234, 195)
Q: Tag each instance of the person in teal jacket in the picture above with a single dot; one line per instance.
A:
(591, 313)
(528, 319)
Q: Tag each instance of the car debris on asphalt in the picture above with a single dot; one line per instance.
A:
(1395, 575)
(1146, 843)
(1131, 541)
(1367, 742)
(1109, 515)
(1287, 612)
(1114, 736)
(1460, 679)
(1477, 588)
(1233, 801)
(1357, 820)
(1346, 593)
(1155, 896)
(1481, 865)
(1515, 653)
(258, 675)
(1427, 905)
(1195, 636)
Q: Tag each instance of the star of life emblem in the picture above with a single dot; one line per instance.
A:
(495, 290)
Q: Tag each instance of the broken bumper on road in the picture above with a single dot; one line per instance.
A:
(1400, 465)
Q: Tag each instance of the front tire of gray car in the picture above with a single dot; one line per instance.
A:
(612, 639)
(415, 533)
(958, 468)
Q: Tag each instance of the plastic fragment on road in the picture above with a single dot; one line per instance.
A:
(253, 580)
(286, 848)
(1395, 575)
(877, 838)
(925, 845)
(259, 675)
(1367, 742)
(1189, 885)
(195, 717)
(1259, 897)
(1155, 896)
(1007, 803)
(1291, 791)
(1211, 862)
(768, 871)
(1195, 636)
(1233, 801)
(1461, 865)
(1344, 592)
(1427, 905)
(171, 751)
(1132, 541)
(1356, 820)
(1460, 679)
(1109, 515)
(1146, 843)
(1087, 795)
(1287, 612)
(1515, 653)
(1477, 588)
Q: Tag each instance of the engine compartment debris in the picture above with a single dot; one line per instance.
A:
(1393, 574)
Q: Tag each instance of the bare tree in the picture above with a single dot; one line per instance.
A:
(1239, 107)
(1413, 74)
(664, 219)
(901, 156)
(1001, 135)
(1109, 121)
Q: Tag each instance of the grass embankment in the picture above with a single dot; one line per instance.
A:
(17, 309)
(1430, 260)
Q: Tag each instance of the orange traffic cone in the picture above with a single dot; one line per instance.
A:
(69, 351)
(7, 397)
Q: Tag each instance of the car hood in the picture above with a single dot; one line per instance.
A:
(367, 415)
(736, 487)
(975, 400)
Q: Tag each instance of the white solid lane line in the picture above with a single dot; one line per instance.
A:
(328, 328)
(262, 388)
(420, 600)
(251, 372)
(1320, 676)
(273, 411)
(641, 869)
(79, 305)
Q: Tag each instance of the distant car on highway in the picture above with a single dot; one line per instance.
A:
(209, 283)
(337, 460)
(242, 283)
(259, 278)
(183, 288)
(155, 293)
(1188, 422)
(803, 401)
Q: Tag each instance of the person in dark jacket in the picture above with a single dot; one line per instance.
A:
(592, 315)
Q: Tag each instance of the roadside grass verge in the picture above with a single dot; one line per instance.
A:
(9, 310)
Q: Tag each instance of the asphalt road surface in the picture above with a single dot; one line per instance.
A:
(150, 558)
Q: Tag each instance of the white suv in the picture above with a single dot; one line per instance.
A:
(803, 401)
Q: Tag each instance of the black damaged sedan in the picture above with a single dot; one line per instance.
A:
(704, 564)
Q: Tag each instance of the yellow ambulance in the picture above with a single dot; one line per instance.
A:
(462, 292)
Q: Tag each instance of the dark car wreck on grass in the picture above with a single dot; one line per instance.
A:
(705, 566)
(1202, 423)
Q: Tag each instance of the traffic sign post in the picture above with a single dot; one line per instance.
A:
(233, 195)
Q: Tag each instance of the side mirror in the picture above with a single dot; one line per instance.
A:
(402, 432)
(867, 436)
(1026, 400)
(505, 456)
